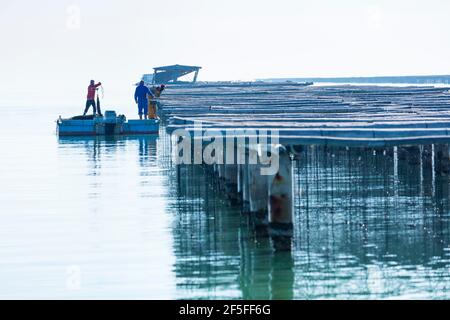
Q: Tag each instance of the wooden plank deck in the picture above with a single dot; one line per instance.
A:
(341, 115)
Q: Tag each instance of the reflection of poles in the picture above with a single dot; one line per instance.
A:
(282, 276)
(255, 268)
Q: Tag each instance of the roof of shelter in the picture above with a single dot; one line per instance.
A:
(177, 67)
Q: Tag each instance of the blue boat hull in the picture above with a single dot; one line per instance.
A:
(104, 127)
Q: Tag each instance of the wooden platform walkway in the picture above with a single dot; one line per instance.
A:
(338, 115)
(410, 123)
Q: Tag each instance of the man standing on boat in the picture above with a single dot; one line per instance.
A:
(141, 97)
(157, 91)
(91, 98)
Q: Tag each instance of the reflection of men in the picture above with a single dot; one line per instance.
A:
(91, 98)
(141, 97)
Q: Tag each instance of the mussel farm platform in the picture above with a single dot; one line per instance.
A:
(373, 116)
(406, 126)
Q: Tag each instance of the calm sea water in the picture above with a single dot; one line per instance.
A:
(114, 218)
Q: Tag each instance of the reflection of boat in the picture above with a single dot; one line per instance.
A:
(107, 125)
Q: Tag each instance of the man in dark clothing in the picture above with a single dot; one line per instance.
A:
(157, 91)
(141, 97)
(91, 98)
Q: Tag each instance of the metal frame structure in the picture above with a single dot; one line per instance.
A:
(171, 74)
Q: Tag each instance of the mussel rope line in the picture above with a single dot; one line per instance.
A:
(102, 91)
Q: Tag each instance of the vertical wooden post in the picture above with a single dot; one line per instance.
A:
(409, 154)
(258, 196)
(221, 176)
(239, 182)
(281, 203)
(245, 188)
(442, 159)
(402, 153)
(231, 187)
(427, 169)
(414, 155)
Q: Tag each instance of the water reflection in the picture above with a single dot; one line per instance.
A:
(98, 151)
(373, 212)
(369, 223)
(96, 205)
(218, 254)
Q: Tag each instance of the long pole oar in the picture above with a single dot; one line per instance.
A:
(99, 110)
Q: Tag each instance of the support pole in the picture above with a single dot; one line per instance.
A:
(427, 170)
(239, 182)
(196, 76)
(281, 202)
(221, 176)
(258, 196)
(414, 155)
(231, 183)
(245, 188)
(442, 159)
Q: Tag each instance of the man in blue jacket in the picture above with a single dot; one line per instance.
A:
(141, 98)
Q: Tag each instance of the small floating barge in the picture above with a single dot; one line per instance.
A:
(107, 125)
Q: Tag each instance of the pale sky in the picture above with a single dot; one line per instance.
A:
(51, 49)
